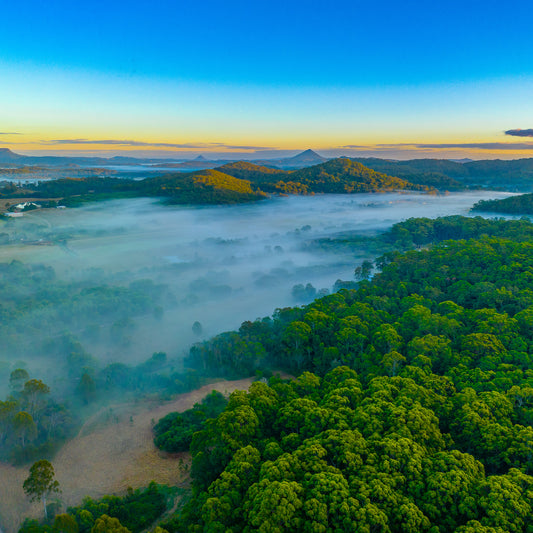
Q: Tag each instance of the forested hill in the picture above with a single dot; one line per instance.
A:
(257, 174)
(514, 205)
(233, 183)
(205, 186)
(513, 175)
(343, 175)
(339, 176)
(412, 410)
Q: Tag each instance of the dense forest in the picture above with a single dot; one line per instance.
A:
(521, 204)
(411, 410)
(513, 175)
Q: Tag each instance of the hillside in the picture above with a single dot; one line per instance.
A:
(343, 175)
(257, 174)
(514, 205)
(436, 173)
(513, 175)
(203, 187)
(340, 176)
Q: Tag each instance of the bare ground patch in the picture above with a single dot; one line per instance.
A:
(110, 453)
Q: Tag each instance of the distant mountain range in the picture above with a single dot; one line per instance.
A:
(9, 157)
(304, 159)
(442, 174)
(230, 183)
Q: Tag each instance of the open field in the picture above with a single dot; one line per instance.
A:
(114, 450)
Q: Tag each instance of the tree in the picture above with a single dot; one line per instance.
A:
(40, 483)
(17, 379)
(65, 523)
(197, 328)
(364, 270)
(87, 387)
(34, 393)
(107, 524)
(24, 426)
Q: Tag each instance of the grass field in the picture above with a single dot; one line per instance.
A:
(114, 450)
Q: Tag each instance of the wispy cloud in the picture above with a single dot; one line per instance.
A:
(10, 133)
(440, 146)
(129, 142)
(481, 146)
(356, 146)
(520, 133)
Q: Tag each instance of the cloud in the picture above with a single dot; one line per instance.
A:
(481, 146)
(440, 146)
(520, 133)
(10, 133)
(356, 146)
(129, 142)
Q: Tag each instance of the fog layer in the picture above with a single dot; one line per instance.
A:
(217, 266)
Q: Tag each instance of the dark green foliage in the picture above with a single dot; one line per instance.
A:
(514, 175)
(135, 511)
(417, 414)
(514, 205)
(174, 432)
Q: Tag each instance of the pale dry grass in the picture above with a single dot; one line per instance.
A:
(110, 454)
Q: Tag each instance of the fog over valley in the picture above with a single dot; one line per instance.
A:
(217, 266)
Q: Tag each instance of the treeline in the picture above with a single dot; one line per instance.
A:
(416, 232)
(134, 512)
(204, 187)
(514, 205)
(513, 175)
(420, 232)
(229, 184)
(412, 410)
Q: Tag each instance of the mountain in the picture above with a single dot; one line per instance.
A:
(7, 156)
(301, 160)
(308, 157)
(200, 163)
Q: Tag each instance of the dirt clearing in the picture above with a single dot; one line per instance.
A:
(114, 450)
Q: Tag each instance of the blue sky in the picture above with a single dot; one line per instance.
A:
(381, 76)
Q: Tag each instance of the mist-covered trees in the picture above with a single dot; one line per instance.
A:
(32, 423)
(416, 416)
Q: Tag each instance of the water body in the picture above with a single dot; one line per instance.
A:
(223, 264)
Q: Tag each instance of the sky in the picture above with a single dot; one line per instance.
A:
(172, 78)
